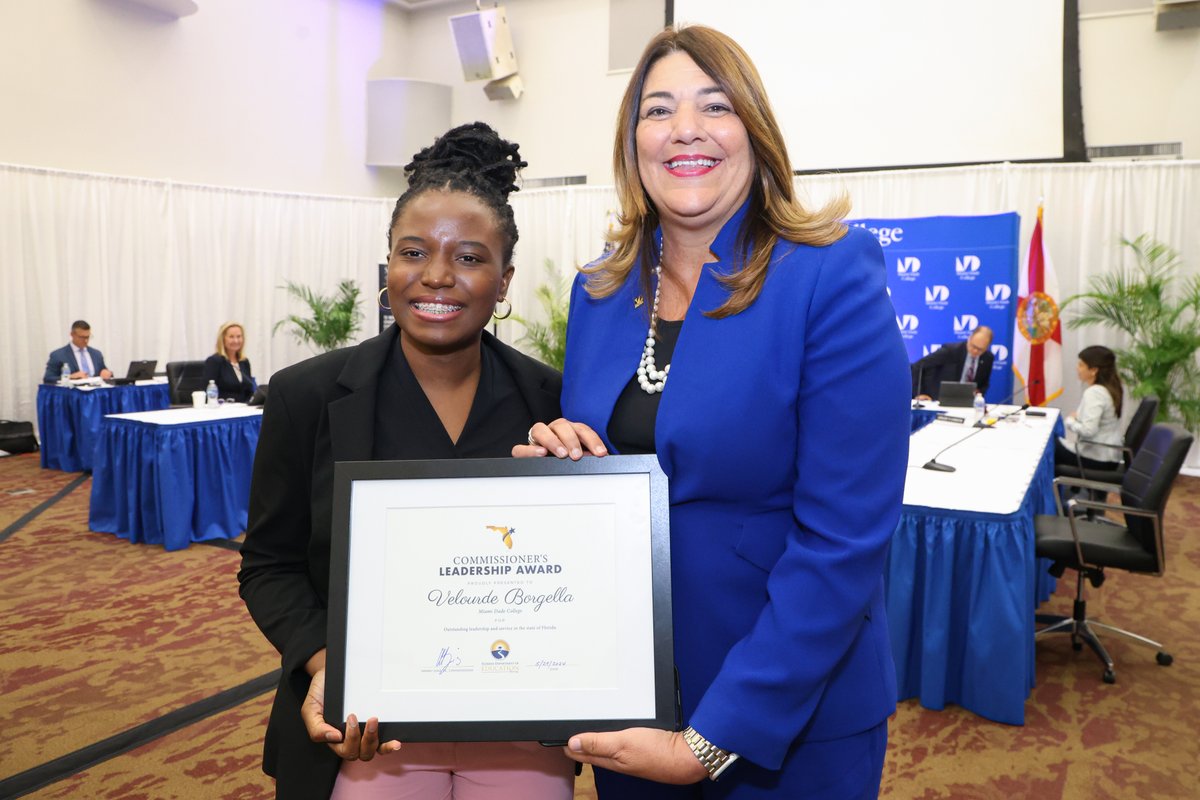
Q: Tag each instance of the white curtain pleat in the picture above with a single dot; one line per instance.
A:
(156, 267)
(563, 225)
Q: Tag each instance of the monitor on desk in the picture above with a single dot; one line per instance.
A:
(138, 371)
(955, 394)
(141, 370)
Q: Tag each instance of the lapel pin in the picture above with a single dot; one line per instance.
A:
(639, 301)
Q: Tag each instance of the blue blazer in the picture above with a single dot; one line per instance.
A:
(784, 433)
(65, 353)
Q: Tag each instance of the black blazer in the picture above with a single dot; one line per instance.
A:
(320, 411)
(946, 364)
(217, 368)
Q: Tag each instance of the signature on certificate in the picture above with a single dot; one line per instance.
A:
(446, 659)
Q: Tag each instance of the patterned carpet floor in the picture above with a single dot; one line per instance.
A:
(130, 673)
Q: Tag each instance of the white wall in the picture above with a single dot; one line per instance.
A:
(1139, 85)
(266, 94)
(270, 94)
(565, 120)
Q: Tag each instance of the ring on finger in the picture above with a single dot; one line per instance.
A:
(529, 436)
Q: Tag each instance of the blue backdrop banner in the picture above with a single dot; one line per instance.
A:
(948, 275)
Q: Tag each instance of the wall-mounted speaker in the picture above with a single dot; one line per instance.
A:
(484, 44)
(1173, 15)
(509, 88)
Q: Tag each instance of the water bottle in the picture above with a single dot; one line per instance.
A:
(211, 394)
(64, 375)
(980, 407)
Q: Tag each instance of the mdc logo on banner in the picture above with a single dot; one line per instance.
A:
(966, 267)
(929, 348)
(963, 325)
(997, 296)
(937, 296)
(1000, 353)
(908, 324)
(908, 268)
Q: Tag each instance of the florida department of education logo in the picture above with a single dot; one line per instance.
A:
(506, 533)
(1037, 317)
(500, 650)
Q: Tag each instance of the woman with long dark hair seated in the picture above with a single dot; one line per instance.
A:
(1096, 423)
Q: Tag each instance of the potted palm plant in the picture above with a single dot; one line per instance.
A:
(1160, 317)
(547, 341)
(333, 319)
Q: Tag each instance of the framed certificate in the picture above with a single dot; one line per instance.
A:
(500, 599)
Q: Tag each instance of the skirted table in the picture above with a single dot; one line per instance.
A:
(175, 477)
(962, 579)
(69, 418)
(922, 416)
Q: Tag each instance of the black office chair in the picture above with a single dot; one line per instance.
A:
(1089, 546)
(183, 378)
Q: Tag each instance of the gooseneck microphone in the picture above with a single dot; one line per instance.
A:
(937, 467)
(920, 384)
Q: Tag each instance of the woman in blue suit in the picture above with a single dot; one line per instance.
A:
(751, 344)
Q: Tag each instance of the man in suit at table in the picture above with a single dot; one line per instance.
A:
(81, 360)
(956, 361)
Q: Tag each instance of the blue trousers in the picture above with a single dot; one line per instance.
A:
(840, 769)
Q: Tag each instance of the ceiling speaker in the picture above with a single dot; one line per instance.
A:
(484, 44)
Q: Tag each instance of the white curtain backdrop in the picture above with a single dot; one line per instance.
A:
(156, 267)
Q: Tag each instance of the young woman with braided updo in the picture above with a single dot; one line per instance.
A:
(434, 385)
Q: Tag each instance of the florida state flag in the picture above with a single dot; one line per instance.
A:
(1037, 342)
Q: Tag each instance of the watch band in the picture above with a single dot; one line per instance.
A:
(714, 759)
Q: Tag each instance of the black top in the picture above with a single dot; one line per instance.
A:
(631, 428)
(319, 412)
(217, 368)
(407, 426)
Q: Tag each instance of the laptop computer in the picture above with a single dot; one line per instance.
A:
(138, 371)
(955, 394)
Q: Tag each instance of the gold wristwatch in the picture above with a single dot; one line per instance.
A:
(714, 759)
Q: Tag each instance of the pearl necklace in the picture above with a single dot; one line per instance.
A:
(650, 378)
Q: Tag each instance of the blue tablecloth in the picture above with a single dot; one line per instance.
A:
(173, 484)
(69, 419)
(961, 593)
(922, 417)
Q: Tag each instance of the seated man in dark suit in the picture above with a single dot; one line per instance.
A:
(956, 361)
(82, 361)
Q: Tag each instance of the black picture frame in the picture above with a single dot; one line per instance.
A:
(358, 560)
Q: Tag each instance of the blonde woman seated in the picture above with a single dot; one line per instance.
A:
(228, 367)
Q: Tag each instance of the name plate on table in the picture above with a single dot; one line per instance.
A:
(500, 599)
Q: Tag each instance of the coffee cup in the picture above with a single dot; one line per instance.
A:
(198, 399)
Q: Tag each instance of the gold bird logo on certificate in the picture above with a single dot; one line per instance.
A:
(505, 533)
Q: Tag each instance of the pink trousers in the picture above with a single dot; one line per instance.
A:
(462, 771)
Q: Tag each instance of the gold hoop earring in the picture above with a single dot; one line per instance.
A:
(379, 299)
(507, 313)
